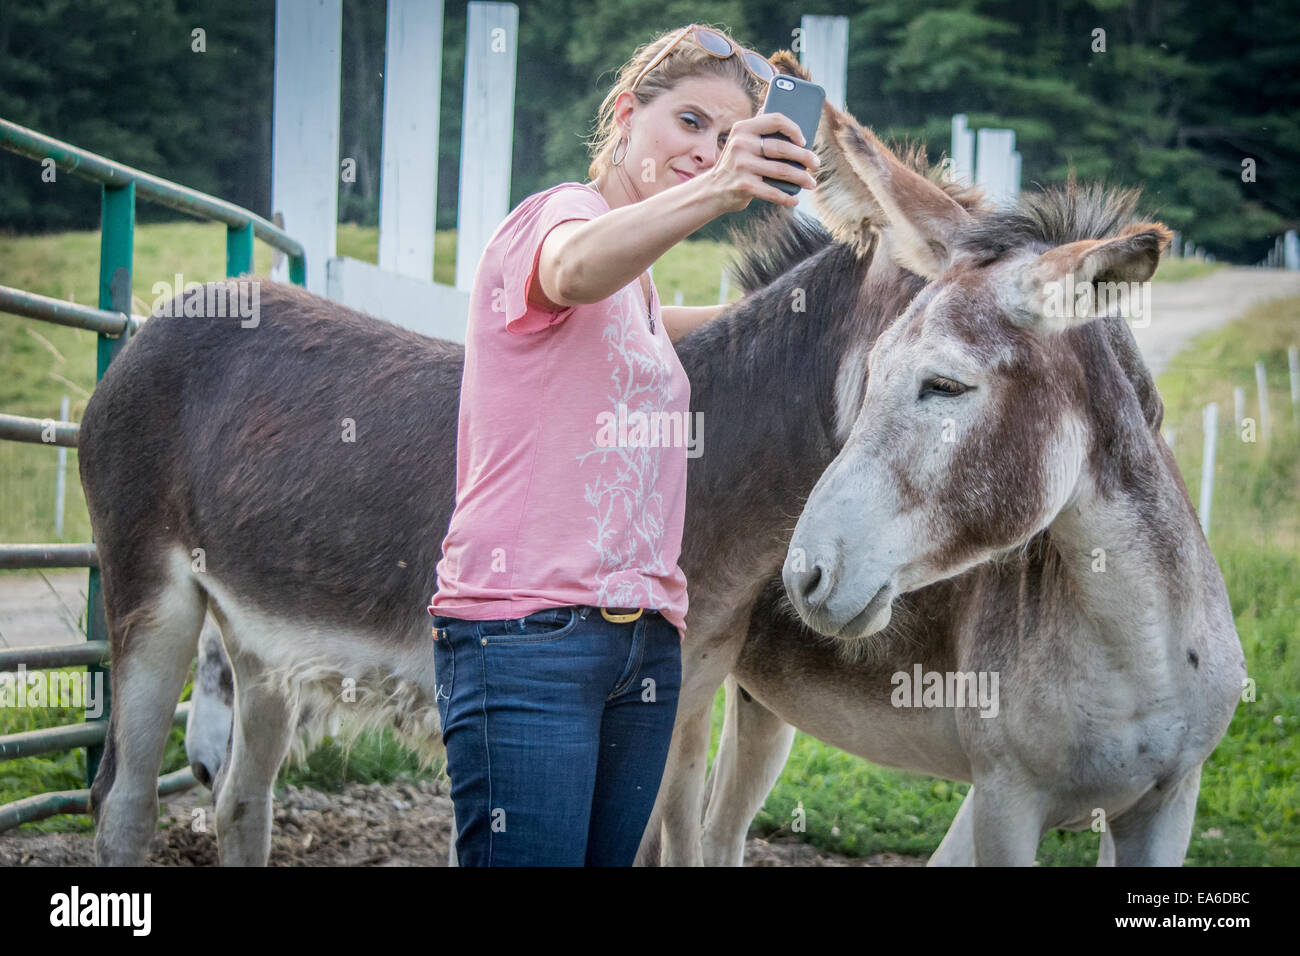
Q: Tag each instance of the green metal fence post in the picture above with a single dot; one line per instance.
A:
(116, 246)
(239, 250)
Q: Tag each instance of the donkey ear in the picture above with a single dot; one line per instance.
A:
(844, 203)
(917, 217)
(1063, 287)
(786, 62)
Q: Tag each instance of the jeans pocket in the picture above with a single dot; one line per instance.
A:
(549, 624)
(444, 676)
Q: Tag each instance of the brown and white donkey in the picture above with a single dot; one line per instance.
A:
(1014, 584)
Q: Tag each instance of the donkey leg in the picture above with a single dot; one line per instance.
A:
(1157, 830)
(672, 835)
(958, 845)
(1106, 853)
(153, 642)
(1007, 824)
(752, 753)
(260, 741)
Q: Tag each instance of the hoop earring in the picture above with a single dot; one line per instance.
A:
(615, 162)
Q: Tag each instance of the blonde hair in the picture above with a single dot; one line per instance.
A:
(686, 60)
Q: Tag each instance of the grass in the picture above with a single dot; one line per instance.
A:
(1176, 270)
(1249, 792)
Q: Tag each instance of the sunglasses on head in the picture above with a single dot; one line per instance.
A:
(710, 41)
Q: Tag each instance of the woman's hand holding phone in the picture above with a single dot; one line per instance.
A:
(737, 177)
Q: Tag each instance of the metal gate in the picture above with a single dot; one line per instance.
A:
(113, 321)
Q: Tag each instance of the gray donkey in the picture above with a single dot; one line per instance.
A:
(1003, 515)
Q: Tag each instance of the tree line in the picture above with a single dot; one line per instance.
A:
(1195, 102)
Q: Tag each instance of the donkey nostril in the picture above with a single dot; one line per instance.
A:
(816, 583)
(201, 774)
(812, 581)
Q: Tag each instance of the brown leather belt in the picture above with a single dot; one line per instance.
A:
(621, 615)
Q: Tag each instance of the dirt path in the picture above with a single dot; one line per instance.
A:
(1180, 311)
(398, 824)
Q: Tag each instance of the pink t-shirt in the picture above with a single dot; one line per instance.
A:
(572, 441)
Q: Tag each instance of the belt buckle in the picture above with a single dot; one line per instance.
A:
(621, 618)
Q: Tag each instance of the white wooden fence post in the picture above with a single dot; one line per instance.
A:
(994, 162)
(724, 287)
(487, 131)
(1293, 366)
(61, 479)
(305, 130)
(1238, 407)
(963, 150)
(1291, 250)
(408, 185)
(1210, 423)
(1265, 422)
(824, 53)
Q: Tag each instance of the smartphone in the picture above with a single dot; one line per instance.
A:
(802, 102)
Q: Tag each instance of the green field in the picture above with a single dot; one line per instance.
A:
(1251, 785)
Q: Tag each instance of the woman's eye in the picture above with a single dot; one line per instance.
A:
(691, 119)
(942, 386)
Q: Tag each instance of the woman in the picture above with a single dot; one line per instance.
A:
(560, 608)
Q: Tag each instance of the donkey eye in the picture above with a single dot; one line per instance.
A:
(942, 386)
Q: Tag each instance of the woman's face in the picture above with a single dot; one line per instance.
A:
(681, 133)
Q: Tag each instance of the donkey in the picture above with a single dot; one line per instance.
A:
(1003, 506)
(221, 477)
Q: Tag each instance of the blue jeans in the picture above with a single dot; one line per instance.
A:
(557, 728)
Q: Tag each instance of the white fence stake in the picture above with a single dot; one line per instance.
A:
(1210, 423)
(724, 289)
(1265, 423)
(963, 150)
(1238, 406)
(824, 53)
(408, 185)
(487, 131)
(305, 130)
(1293, 365)
(994, 163)
(61, 479)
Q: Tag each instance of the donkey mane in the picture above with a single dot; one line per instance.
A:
(1052, 216)
(773, 243)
